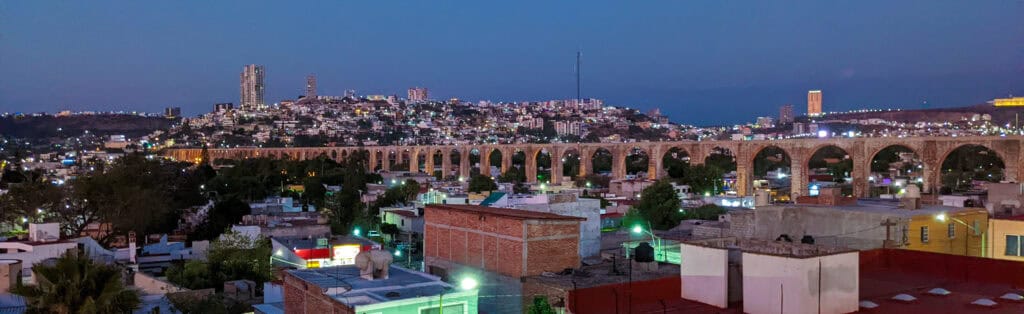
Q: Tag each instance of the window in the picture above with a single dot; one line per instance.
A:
(951, 231)
(1013, 245)
(924, 234)
(977, 227)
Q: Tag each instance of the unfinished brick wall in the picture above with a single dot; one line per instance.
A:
(498, 243)
(303, 297)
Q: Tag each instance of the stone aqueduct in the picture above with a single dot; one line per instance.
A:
(931, 150)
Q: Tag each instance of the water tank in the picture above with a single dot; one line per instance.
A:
(761, 198)
(807, 239)
(643, 253)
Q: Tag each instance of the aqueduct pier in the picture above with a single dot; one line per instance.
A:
(931, 150)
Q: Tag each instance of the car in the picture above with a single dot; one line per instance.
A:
(373, 233)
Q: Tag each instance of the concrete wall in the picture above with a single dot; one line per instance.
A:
(590, 229)
(779, 284)
(998, 229)
(845, 228)
(704, 275)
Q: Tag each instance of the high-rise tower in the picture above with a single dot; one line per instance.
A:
(786, 114)
(814, 103)
(311, 86)
(252, 87)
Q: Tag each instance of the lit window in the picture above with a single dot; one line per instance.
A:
(951, 231)
(924, 234)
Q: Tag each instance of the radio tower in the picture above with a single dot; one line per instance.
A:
(579, 70)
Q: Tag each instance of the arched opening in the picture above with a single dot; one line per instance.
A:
(437, 157)
(543, 160)
(334, 154)
(637, 162)
(494, 163)
(401, 161)
(378, 160)
(830, 167)
(517, 171)
(474, 163)
(601, 162)
(721, 161)
(421, 161)
(892, 169)
(772, 169)
(455, 163)
(968, 167)
(392, 160)
(570, 163)
(676, 162)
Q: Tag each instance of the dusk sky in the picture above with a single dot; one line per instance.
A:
(701, 62)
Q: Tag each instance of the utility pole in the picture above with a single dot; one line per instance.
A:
(888, 223)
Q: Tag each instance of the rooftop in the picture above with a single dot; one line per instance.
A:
(776, 248)
(889, 207)
(344, 284)
(505, 212)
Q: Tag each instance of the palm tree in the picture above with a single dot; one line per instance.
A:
(75, 284)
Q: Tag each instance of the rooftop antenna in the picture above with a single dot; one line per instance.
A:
(579, 70)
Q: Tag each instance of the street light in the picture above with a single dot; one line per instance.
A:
(467, 283)
(355, 231)
(657, 241)
(943, 217)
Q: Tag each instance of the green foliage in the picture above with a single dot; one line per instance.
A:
(659, 205)
(721, 159)
(770, 158)
(703, 178)
(540, 306)
(194, 274)
(219, 218)
(235, 256)
(706, 212)
(76, 284)
(390, 229)
(513, 175)
(480, 183)
(596, 181)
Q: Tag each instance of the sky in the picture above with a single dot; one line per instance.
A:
(700, 62)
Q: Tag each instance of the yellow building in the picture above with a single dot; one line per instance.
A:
(1006, 238)
(1009, 102)
(960, 231)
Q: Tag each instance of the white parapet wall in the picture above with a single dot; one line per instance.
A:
(785, 284)
(704, 274)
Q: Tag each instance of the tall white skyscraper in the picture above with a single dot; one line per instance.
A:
(252, 87)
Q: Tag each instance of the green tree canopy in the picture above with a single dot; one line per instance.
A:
(76, 284)
(660, 205)
(480, 183)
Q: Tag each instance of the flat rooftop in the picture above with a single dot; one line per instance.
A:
(344, 284)
(505, 212)
(766, 247)
(887, 207)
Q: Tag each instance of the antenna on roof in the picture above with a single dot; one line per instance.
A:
(579, 71)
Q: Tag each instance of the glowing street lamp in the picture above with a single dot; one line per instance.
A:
(468, 283)
(356, 231)
(943, 217)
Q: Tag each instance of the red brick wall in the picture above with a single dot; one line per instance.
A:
(495, 243)
(302, 297)
(488, 244)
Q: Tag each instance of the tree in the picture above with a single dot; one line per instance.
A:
(703, 178)
(223, 214)
(194, 274)
(540, 306)
(705, 212)
(479, 183)
(76, 284)
(390, 229)
(659, 205)
(236, 256)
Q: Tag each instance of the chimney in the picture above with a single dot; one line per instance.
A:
(911, 198)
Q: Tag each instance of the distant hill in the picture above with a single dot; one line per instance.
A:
(107, 124)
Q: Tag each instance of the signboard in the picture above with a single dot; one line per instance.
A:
(346, 254)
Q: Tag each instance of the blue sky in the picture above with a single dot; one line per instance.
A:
(701, 62)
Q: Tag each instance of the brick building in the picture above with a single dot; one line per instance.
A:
(510, 242)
